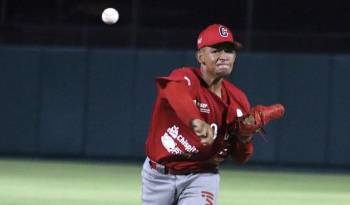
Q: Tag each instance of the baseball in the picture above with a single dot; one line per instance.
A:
(110, 16)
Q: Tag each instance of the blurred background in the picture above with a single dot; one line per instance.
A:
(72, 86)
(75, 91)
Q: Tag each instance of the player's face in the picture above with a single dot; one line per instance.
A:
(218, 59)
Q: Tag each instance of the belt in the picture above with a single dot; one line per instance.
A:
(165, 170)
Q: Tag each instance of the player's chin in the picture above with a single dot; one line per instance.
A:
(223, 71)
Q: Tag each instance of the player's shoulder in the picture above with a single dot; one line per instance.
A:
(186, 73)
(235, 90)
(232, 87)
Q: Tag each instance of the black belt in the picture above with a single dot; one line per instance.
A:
(165, 170)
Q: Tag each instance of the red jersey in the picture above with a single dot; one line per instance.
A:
(182, 97)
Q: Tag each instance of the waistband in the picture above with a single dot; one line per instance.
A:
(166, 170)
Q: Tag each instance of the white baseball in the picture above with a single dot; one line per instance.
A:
(110, 16)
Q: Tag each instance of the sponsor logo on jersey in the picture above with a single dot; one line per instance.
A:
(171, 136)
(170, 145)
(223, 31)
(203, 107)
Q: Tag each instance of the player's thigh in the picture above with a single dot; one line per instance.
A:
(203, 190)
(157, 188)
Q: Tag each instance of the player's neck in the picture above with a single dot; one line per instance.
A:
(216, 88)
(214, 83)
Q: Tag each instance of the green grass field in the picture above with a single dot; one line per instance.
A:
(26, 182)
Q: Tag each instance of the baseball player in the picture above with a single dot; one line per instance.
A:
(198, 120)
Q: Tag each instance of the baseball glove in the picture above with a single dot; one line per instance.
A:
(257, 118)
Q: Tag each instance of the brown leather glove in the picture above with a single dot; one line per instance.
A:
(258, 117)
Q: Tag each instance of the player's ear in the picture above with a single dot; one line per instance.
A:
(199, 56)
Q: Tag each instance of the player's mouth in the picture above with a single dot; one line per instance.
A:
(223, 66)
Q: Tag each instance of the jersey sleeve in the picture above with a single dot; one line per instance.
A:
(175, 90)
(237, 95)
(242, 152)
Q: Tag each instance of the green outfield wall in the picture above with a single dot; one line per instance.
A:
(83, 102)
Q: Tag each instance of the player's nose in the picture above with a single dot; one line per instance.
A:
(222, 59)
(223, 55)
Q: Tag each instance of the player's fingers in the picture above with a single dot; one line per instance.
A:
(208, 139)
(204, 141)
(210, 135)
(210, 132)
(204, 131)
(197, 127)
(200, 128)
(200, 132)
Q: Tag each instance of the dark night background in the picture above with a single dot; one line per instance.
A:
(269, 25)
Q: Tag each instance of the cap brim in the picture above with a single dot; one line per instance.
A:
(235, 44)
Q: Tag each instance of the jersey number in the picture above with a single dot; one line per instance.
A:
(215, 129)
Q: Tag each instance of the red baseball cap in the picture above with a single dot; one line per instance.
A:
(215, 34)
